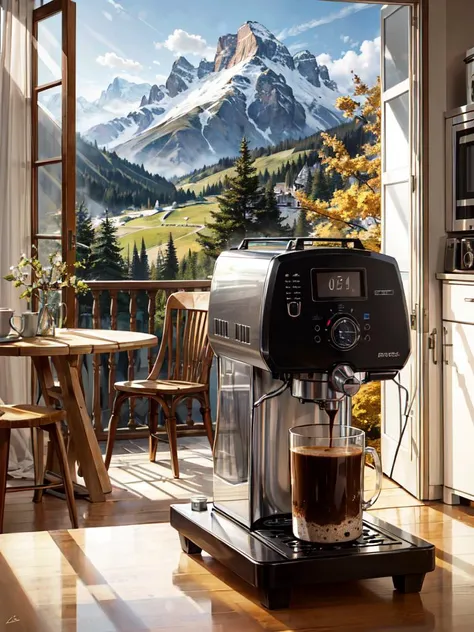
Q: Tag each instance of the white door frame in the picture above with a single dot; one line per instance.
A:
(427, 357)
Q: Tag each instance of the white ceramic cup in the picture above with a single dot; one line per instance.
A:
(30, 321)
(7, 322)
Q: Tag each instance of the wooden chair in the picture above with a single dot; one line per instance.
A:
(186, 348)
(28, 416)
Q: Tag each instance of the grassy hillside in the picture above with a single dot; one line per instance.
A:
(152, 236)
(272, 163)
(197, 214)
(156, 231)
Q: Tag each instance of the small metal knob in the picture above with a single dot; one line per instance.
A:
(343, 380)
(199, 503)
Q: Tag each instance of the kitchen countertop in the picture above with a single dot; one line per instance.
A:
(460, 277)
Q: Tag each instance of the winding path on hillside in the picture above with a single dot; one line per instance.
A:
(153, 252)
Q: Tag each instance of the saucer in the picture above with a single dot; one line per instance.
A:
(13, 337)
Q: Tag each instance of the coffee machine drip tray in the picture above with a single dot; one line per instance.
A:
(275, 562)
(277, 533)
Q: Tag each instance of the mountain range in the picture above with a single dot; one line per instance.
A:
(120, 97)
(253, 88)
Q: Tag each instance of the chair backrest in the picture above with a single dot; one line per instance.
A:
(185, 343)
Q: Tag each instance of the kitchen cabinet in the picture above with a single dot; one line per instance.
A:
(458, 392)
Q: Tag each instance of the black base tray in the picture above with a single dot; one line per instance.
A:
(273, 561)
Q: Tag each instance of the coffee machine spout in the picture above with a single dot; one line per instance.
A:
(343, 380)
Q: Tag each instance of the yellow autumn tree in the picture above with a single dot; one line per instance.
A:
(359, 197)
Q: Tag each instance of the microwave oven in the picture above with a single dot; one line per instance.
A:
(460, 170)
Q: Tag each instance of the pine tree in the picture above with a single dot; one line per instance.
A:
(237, 206)
(170, 264)
(107, 262)
(183, 268)
(315, 188)
(85, 235)
(309, 184)
(303, 227)
(159, 263)
(145, 270)
(136, 269)
(268, 219)
(336, 182)
(193, 264)
(324, 189)
(128, 263)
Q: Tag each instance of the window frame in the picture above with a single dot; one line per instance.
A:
(67, 159)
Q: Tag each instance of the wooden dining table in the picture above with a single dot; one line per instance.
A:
(64, 351)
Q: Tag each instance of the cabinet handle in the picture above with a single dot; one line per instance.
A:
(445, 344)
(432, 339)
(469, 300)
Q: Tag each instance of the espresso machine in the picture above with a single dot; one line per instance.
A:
(296, 331)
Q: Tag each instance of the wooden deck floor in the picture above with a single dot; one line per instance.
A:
(135, 578)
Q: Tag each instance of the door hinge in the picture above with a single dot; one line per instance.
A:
(413, 183)
(414, 21)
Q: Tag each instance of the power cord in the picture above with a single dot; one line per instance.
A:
(405, 414)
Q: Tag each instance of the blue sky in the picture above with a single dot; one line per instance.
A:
(140, 39)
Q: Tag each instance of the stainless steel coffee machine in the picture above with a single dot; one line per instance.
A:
(296, 330)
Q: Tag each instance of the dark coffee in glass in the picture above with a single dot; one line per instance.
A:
(327, 482)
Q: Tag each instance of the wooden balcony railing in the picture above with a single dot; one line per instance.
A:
(132, 306)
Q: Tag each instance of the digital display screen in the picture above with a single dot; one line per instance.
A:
(337, 284)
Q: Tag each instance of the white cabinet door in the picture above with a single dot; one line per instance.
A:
(459, 407)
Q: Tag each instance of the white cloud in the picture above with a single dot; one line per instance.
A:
(107, 15)
(161, 79)
(348, 40)
(327, 19)
(116, 5)
(112, 60)
(295, 48)
(157, 63)
(365, 63)
(181, 42)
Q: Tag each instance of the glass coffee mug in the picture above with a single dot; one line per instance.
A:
(327, 482)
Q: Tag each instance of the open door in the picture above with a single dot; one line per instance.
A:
(401, 237)
(54, 132)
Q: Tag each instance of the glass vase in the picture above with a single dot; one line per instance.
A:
(46, 324)
(52, 313)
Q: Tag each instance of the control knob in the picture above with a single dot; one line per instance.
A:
(345, 332)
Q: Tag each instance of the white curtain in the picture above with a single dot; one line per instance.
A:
(15, 189)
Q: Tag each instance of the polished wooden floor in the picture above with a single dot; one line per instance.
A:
(135, 578)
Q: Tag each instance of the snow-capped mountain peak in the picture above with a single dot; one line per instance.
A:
(255, 40)
(254, 88)
(182, 75)
(122, 95)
